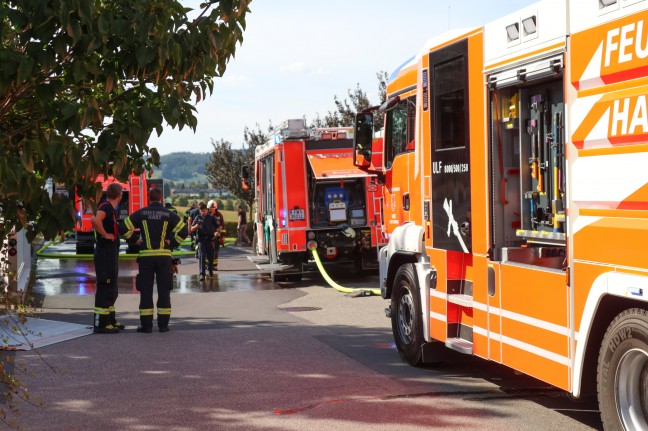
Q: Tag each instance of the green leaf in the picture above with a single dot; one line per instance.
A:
(143, 55)
(78, 71)
(27, 161)
(226, 7)
(24, 69)
(86, 10)
(103, 23)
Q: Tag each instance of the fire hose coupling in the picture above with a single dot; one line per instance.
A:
(311, 245)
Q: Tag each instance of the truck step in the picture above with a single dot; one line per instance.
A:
(259, 259)
(461, 299)
(269, 267)
(460, 345)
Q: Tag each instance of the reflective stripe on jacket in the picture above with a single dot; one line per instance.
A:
(157, 226)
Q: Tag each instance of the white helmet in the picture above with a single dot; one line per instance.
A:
(211, 204)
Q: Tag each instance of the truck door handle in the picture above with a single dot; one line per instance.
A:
(406, 202)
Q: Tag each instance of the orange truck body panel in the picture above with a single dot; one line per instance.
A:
(532, 209)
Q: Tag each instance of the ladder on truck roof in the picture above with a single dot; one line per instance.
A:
(135, 199)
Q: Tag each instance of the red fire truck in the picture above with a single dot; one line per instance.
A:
(134, 197)
(309, 195)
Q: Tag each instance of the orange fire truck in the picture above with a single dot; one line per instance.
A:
(519, 214)
(310, 195)
(134, 197)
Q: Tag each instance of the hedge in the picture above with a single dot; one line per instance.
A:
(230, 229)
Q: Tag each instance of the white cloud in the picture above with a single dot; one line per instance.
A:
(320, 71)
(297, 68)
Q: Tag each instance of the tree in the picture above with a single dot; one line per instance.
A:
(224, 167)
(85, 83)
(345, 110)
(183, 166)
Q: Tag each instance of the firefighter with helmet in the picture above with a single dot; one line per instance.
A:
(168, 204)
(212, 207)
(161, 231)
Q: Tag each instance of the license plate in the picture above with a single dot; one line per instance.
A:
(296, 214)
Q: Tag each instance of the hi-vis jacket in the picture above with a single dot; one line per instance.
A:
(161, 229)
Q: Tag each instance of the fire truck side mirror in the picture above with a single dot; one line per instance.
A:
(245, 177)
(362, 139)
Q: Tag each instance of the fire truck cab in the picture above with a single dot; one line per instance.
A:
(134, 197)
(524, 202)
(309, 195)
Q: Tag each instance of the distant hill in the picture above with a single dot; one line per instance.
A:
(184, 166)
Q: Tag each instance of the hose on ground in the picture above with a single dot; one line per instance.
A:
(42, 252)
(334, 285)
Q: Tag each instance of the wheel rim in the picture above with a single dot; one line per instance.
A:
(406, 317)
(632, 390)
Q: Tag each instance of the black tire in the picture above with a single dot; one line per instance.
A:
(85, 248)
(622, 373)
(407, 324)
(279, 278)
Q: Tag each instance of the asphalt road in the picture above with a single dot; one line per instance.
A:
(244, 353)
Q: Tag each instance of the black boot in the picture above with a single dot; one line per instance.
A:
(163, 322)
(115, 323)
(102, 325)
(146, 324)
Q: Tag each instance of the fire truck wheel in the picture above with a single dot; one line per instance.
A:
(278, 278)
(407, 325)
(85, 249)
(623, 372)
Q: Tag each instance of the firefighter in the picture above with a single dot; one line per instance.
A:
(161, 231)
(168, 204)
(194, 212)
(205, 227)
(106, 257)
(212, 207)
(241, 227)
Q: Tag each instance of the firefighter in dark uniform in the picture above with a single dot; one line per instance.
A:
(168, 204)
(106, 257)
(194, 212)
(205, 227)
(161, 231)
(212, 207)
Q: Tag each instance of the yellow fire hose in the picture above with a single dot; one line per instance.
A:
(42, 253)
(334, 285)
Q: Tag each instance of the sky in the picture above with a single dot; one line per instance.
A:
(298, 54)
